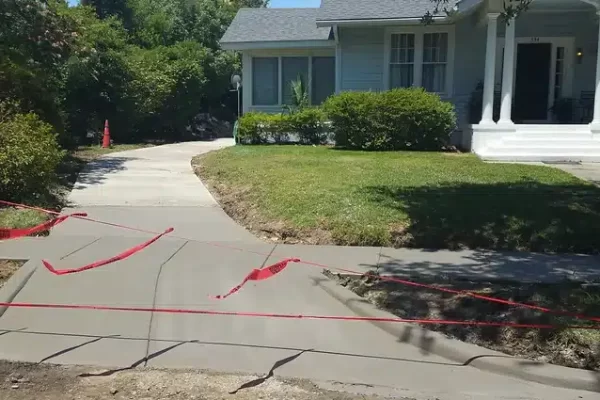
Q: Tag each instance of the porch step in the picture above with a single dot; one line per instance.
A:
(540, 157)
(547, 128)
(564, 150)
(562, 143)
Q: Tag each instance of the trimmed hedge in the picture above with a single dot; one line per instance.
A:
(307, 125)
(398, 119)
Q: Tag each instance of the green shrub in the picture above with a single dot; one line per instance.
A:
(309, 125)
(259, 128)
(393, 120)
(29, 156)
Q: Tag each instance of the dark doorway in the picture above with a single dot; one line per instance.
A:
(532, 80)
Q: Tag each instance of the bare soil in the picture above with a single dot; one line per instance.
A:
(20, 381)
(7, 268)
(235, 203)
(577, 348)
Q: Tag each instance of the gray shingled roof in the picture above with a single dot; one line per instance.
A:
(275, 24)
(338, 10)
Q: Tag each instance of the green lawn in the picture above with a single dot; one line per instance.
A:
(412, 199)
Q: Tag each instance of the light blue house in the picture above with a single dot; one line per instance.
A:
(523, 90)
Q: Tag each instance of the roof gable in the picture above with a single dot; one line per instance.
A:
(275, 25)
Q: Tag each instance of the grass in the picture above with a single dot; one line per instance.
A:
(577, 348)
(404, 199)
(54, 197)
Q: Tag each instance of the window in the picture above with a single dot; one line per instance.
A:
(420, 56)
(323, 79)
(435, 58)
(292, 68)
(402, 60)
(559, 72)
(265, 75)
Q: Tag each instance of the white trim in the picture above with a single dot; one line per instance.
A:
(246, 82)
(487, 112)
(309, 80)
(290, 44)
(508, 74)
(568, 42)
(338, 68)
(279, 80)
(418, 64)
(595, 124)
(338, 59)
(419, 31)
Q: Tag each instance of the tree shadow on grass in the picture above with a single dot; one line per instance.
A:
(507, 216)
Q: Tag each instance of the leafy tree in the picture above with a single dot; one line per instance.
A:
(35, 42)
(512, 9)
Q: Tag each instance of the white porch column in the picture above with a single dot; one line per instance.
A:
(508, 74)
(596, 120)
(487, 113)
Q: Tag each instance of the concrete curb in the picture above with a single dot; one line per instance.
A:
(467, 354)
(15, 284)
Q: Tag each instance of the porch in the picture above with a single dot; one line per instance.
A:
(541, 85)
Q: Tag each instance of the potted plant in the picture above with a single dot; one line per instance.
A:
(562, 110)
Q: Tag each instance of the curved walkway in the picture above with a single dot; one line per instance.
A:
(155, 188)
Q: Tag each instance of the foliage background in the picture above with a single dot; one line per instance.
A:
(149, 66)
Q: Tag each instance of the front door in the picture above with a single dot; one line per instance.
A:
(532, 81)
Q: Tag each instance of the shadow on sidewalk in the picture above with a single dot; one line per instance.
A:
(95, 172)
(487, 265)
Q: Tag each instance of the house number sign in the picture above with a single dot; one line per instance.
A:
(535, 39)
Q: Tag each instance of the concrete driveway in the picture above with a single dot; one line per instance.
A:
(155, 188)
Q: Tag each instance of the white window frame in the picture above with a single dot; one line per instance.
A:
(247, 62)
(419, 32)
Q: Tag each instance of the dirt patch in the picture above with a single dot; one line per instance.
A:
(8, 268)
(235, 201)
(577, 348)
(49, 382)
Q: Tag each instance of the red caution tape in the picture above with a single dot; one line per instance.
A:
(17, 233)
(17, 205)
(100, 263)
(464, 293)
(291, 316)
(259, 275)
(323, 266)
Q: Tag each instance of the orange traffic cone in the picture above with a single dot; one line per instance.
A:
(106, 137)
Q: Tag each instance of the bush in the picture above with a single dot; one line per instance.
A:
(259, 128)
(398, 119)
(309, 125)
(29, 156)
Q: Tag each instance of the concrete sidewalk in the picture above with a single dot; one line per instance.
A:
(407, 263)
(181, 272)
(177, 274)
